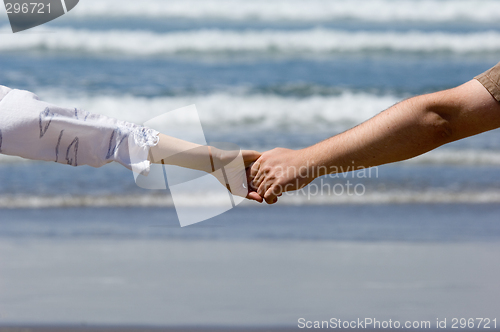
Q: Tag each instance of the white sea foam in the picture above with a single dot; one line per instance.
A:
(216, 41)
(31, 201)
(292, 198)
(297, 10)
(395, 197)
(227, 110)
(459, 157)
(4, 159)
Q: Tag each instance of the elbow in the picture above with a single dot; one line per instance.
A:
(442, 128)
(439, 126)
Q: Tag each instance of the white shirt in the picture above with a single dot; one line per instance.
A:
(33, 129)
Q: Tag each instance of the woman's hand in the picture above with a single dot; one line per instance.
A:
(231, 173)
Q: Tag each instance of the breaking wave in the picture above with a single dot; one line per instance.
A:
(297, 10)
(271, 42)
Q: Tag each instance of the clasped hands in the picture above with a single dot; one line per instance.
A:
(264, 177)
(274, 172)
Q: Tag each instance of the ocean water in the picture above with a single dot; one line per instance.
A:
(262, 74)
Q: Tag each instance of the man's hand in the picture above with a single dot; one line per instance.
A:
(280, 170)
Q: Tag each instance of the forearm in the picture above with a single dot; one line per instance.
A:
(401, 132)
(227, 166)
(174, 151)
(408, 129)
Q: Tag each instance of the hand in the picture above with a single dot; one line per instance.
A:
(249, 157)
(280, 170)
(235, 175)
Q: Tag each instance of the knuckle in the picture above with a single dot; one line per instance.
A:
(267, 169)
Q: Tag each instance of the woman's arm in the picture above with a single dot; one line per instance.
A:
(33, 129)
(174, 151)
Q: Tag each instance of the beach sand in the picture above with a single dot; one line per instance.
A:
(245, 284)
(249, 268)
(134, 329)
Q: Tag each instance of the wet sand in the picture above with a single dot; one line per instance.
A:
(135, 329)
(244, 284)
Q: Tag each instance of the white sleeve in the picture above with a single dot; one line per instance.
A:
(34, 129)
(3, 91)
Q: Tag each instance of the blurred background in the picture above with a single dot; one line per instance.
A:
(84, 245)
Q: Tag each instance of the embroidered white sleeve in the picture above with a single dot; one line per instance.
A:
(33, 129)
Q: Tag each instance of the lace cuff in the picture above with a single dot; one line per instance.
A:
(141, 139)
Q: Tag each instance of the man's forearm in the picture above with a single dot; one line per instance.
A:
(405, 130)
(408, 129)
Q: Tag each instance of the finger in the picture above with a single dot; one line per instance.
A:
(258, 181)
(264, 187)
(252, 195)
(271, 200)
(251, 187)
(272, 194)
(260, 178)
(254, 169)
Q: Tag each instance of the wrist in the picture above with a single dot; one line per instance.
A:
(307, 165)
(221, 158)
